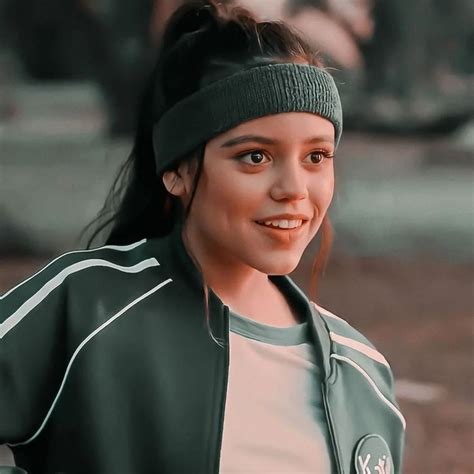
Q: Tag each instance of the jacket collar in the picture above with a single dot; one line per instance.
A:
(193, 277)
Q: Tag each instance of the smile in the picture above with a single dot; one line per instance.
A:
(282, 223)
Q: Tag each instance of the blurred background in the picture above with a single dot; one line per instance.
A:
(402, 265)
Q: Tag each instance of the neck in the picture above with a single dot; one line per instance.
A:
(244, 289)
(230, 280)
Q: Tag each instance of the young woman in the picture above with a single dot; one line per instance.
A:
(181, 346)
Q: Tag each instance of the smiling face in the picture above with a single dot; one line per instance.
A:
(264, 190)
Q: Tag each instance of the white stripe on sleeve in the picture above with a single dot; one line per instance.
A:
(120, 248)
(48, 287)
(360, 347)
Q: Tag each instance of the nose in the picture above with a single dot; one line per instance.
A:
(290, 182)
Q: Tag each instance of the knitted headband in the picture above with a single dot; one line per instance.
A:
(246, 95)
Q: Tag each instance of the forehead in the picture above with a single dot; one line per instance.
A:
(290, 127)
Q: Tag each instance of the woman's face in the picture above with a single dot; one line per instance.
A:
(264, 190)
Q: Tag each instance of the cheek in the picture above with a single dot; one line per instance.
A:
(231, 193)
(321, 193)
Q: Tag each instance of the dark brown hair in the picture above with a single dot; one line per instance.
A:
(203, 41)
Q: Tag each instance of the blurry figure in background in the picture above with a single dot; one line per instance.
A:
(356, 15)
(125, 28)
(106, 42)
(334, 27)
(418, 66)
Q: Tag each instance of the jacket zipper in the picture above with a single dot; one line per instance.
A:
(224, 394)
(335, 447)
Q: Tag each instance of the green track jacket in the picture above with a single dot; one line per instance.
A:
(107, 367)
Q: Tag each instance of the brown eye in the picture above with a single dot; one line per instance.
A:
(317, 157)
(255, 157)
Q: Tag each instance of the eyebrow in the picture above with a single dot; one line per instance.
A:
(271, 141)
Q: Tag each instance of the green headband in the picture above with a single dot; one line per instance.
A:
(246, 95)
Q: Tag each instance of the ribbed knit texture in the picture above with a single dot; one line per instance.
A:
(252, 93)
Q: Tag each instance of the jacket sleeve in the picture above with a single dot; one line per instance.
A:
(33, 342)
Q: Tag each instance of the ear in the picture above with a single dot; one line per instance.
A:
(179, 182)
(173, 183)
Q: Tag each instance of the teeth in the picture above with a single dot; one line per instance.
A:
(284, 224)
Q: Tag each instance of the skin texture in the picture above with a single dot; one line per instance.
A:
(236, 254)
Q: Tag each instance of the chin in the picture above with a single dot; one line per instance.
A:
(278, 268)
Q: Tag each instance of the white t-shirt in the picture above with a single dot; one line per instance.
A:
(274, 414)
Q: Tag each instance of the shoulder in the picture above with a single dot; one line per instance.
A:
(352, 350)
(121, 257)
(343, 335)
(87, 266)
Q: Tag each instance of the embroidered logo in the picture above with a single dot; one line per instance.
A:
(372, 456)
